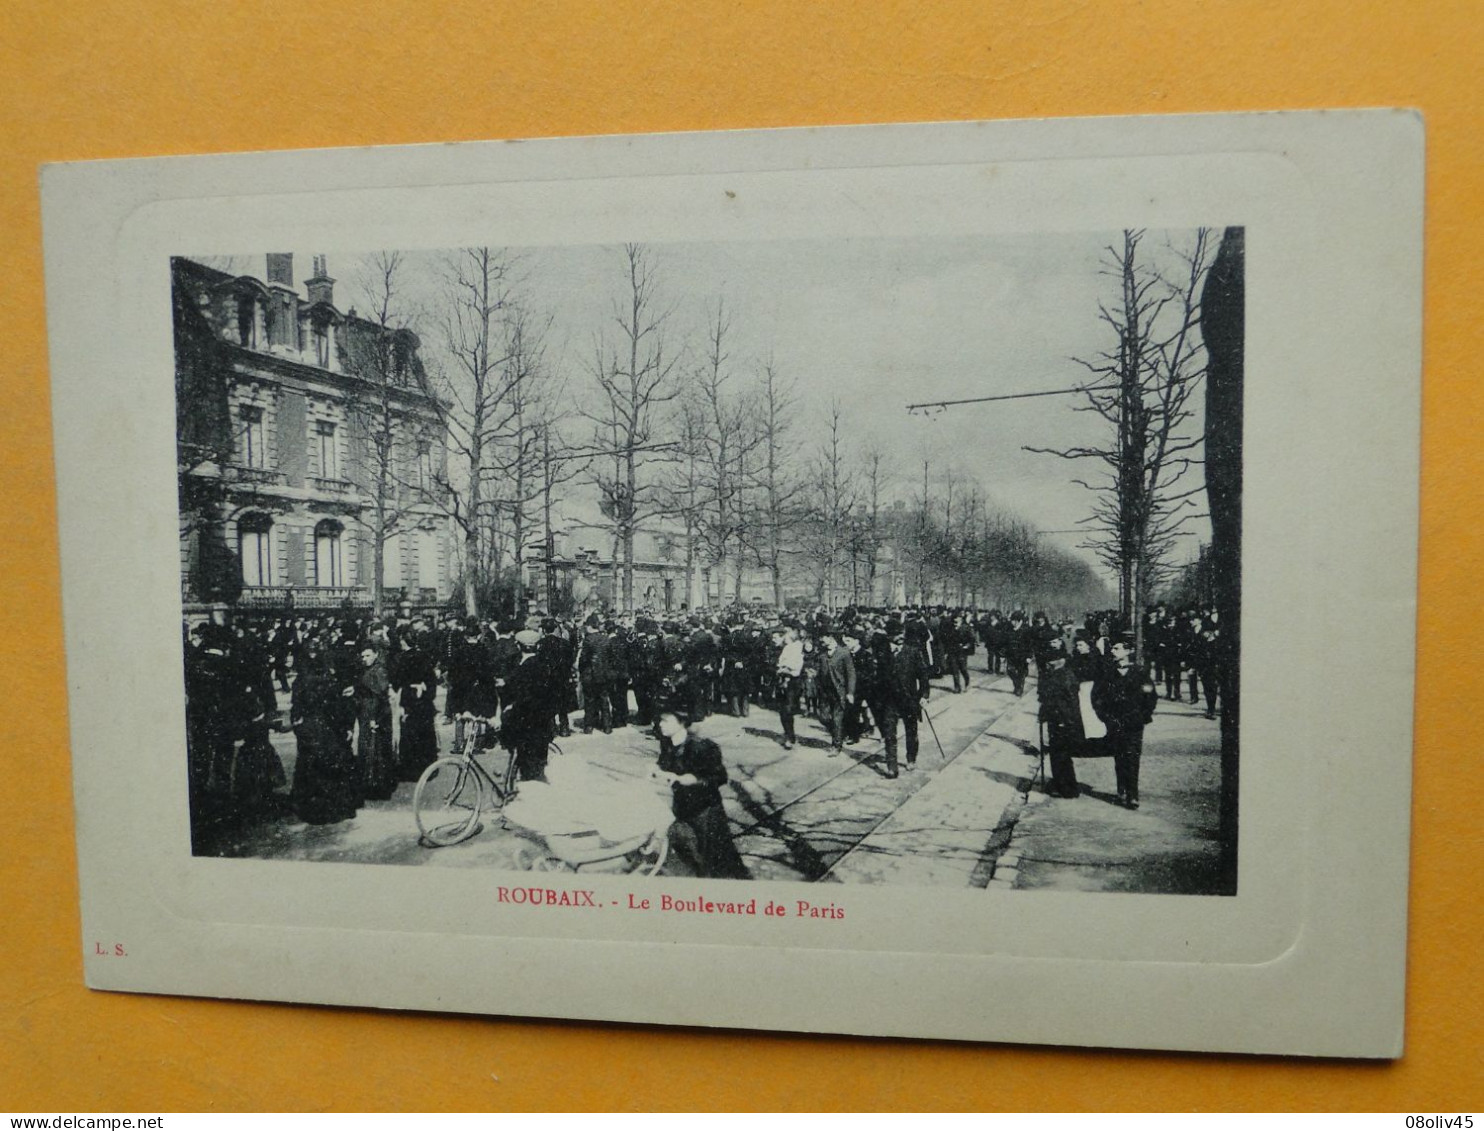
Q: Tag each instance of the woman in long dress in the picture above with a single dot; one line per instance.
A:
(415, 677)
(325, 789)
(700, 838)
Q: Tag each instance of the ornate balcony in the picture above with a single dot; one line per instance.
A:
(257, 476)
(332, 486)
(304, 597)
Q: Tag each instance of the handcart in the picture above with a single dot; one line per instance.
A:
(586, 820)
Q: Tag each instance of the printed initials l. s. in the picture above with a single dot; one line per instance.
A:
(114, 951)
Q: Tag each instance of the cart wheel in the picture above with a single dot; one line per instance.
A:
(659, 848)
(447, 802)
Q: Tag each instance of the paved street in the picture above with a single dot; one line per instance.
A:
(962, 818)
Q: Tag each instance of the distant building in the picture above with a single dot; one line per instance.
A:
(581, 576)
(284, 403)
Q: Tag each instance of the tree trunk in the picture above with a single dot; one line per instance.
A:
(1223, 318)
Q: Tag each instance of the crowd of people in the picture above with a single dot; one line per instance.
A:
(364, 695)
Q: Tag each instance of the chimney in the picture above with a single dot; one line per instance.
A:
(321, 287)
(281, 268)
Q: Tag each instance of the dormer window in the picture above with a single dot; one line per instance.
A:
(247, 322)
(322, 344)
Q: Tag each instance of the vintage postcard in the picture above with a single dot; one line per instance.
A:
(945, 581)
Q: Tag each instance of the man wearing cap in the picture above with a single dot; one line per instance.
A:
(1017, 651)
(790, 670)
(528, 723)
(1124, 699)
(1057, 688)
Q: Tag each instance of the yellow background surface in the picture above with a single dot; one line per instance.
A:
(113, 78)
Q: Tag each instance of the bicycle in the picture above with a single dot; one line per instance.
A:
(450, 795)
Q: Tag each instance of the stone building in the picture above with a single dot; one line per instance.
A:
(294, 420)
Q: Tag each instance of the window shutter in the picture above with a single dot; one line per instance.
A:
(293, 540)
(293, 441)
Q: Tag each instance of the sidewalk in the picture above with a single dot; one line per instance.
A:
(1167, 846)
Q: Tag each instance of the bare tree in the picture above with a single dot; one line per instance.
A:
(1143, 388)
(559, 465)
(833, 499)
(875, 475)
(779, 485)
(635, 374)
(520, 471)
(729, 439)
(685, 496)
(472, 396)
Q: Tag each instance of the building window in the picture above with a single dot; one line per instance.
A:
(424, 465)
(328, 567)
(254, 447)
(322, 344)
(391, 562)
(329, 464)
(427, 559)
(255, 546)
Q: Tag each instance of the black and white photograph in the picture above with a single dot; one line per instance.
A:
(661, 558)
(949, 581)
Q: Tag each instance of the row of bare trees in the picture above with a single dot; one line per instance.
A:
(661, 433)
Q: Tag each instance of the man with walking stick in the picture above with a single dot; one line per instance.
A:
(902, 673)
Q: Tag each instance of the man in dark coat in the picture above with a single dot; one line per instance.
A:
(618, 661)
(702, 659)
(958, 645)
(556, 655)
(902, 676)
(737, 655)
(1041, 633)
(1057, 689)
(920, 636)
(1016, 646)
(647, 669)
(1124, 698)
(504, 652)
(837, 689)
(857, 719)
(992, 633)
(374, 726)
(528, 723)
(592, 670)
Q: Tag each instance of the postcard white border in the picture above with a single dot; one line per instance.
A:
(1307, 958)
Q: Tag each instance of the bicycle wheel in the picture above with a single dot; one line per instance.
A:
(447, 802)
